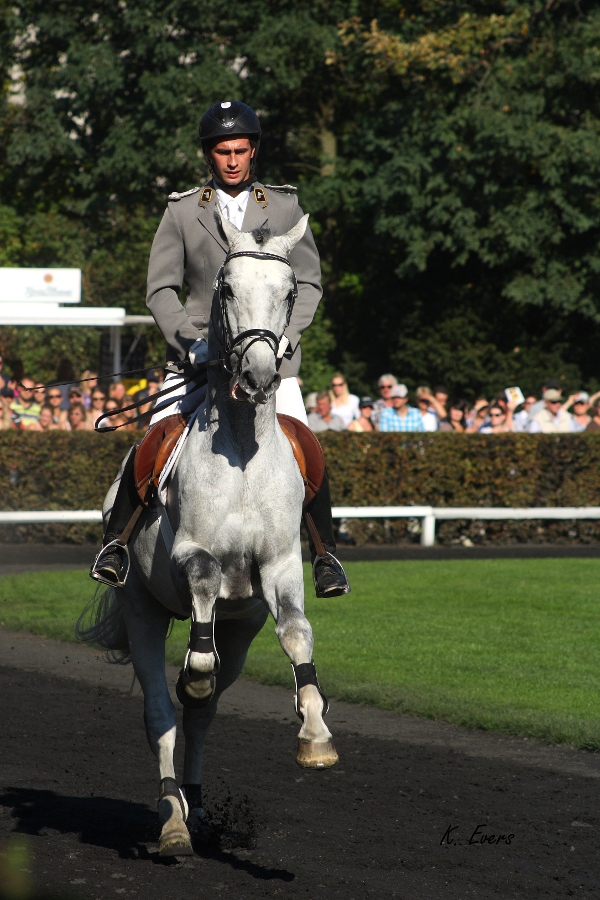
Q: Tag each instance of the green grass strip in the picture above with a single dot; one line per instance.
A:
(503, 645)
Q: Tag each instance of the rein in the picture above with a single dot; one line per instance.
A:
(51, 384)
(199, 375)
(229, 344)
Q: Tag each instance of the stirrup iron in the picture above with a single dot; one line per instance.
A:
(338, 567)
(97, 576)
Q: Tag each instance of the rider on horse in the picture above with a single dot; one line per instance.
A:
(189, 248)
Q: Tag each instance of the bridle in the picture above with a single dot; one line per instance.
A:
(227, 339)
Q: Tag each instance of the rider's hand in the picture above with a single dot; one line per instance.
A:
(198, 353)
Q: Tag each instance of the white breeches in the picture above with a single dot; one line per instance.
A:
(288, 399)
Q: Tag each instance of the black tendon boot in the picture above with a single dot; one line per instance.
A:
(328, 573)
(112, 563)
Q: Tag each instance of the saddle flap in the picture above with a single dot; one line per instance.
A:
(296, 450)
(314, 458)
(165, 450)
(147, 451)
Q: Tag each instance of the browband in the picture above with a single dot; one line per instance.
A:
(256, 254)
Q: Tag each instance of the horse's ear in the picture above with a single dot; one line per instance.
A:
(288, 241)
(228, 228)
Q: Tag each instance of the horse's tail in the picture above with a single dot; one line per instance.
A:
(102, 622)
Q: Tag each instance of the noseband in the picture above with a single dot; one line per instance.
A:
(229, 342)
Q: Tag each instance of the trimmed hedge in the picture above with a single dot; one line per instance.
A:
(58, 470)
(514, 470)
(61, 470)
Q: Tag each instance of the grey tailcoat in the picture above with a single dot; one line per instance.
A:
(189, 248)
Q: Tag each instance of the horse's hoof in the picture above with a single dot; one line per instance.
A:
(175, 845)
(187, 699)
(312, 755)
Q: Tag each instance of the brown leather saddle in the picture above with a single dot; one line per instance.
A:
(154, 449)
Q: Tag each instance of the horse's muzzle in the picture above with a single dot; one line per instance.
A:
(248, 390)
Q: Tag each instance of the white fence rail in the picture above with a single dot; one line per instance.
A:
(427, 515)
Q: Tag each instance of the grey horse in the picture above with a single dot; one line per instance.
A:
(224, 549)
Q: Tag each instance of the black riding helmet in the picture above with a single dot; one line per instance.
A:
(228, 119)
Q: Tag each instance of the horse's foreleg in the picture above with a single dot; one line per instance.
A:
(197, 577)
(147, 623)
(284, 592)
(232, 639)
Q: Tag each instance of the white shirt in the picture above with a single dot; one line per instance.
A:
(534, 426)
(347, 411)
(234, 208)
(520, 420)
(430, 420)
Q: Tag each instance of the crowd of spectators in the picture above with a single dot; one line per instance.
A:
(432, 410)
(76, 405)
(27, 405)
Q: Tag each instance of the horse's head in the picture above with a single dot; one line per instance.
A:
(257, 290)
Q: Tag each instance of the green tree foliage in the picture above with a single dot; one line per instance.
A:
(484, 166)
(448, 153)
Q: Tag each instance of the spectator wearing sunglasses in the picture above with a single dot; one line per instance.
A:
(385, 384)
(97, 401)
(400, 416)
(501, 422)
(54, 398)
(582, 404)
(553, 419)
(24, 406)
(343, 403)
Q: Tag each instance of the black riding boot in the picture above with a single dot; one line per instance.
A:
(328, 573)
(110, 564)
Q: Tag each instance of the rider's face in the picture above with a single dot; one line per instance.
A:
(231, 160)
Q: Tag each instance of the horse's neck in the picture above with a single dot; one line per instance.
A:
(245, 424)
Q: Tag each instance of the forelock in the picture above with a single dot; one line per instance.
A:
(262, 235)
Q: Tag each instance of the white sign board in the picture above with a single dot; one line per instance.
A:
(40, 286)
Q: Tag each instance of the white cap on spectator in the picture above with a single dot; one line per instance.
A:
(552, 396)
(311, 400)
(582, 397)
(400, 390)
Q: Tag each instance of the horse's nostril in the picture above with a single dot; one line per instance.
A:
(250, 380)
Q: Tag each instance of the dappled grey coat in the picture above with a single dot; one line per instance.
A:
(189, 248)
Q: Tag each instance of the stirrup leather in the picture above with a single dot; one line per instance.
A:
(95, 574)
(336, 564)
